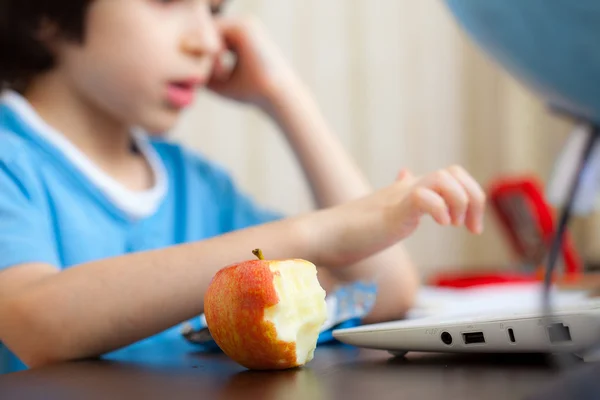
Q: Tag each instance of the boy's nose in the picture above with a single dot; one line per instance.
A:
(202, 38)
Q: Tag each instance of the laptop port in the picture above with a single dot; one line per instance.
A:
(511, 335)
(473, 337)
(446, 338)
(559, 333)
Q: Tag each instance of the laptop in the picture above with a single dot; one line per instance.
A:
(502, 319)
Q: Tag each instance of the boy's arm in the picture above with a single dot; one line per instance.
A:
(333, 175)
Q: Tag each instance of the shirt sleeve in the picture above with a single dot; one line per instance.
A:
(25, 234)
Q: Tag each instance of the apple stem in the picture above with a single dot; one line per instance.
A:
(258, 253)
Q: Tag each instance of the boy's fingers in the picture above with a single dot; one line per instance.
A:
(222, 67)
(430, 202)
(237, 32)
(477, 199)
(403, 175)
(232, 34)
(452, 192)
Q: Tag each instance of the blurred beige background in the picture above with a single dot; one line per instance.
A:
(401, 86)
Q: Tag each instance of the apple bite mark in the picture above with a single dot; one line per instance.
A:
(266, 314)
(301, 310)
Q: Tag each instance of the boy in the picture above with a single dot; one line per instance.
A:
(109, 234)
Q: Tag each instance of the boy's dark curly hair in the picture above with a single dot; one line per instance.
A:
(23, 55)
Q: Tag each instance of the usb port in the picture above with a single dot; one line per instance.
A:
(473, 337)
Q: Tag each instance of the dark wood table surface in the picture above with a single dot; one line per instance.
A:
(337, 372)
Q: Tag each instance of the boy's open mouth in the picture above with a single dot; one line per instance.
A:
(182, 93)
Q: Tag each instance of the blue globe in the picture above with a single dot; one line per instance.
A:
(551, 46)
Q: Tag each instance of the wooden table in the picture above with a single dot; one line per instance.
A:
(337, 372)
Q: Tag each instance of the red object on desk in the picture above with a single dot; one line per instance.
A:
(528, 220)
(471, 279)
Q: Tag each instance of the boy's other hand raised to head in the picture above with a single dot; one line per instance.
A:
(259, 71)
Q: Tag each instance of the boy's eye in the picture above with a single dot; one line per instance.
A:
(216, 7)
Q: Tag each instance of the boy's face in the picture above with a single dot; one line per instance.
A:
(142, 60)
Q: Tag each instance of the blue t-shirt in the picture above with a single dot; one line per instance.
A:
(51, 213)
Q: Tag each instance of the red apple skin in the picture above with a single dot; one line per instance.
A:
(234, 307)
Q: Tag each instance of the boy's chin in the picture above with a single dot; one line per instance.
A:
(159, 124)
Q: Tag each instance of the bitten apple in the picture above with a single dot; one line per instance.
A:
(266, 314)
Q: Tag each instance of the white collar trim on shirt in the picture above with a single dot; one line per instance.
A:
(136, 204)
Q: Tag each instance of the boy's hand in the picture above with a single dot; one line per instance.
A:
(449, 196)
(259, 69)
